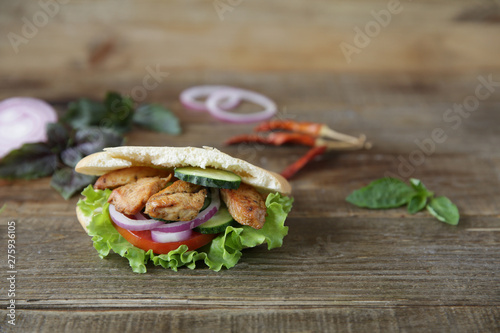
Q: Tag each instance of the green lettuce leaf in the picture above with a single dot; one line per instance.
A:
(223, 251)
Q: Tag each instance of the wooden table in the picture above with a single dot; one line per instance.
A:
(341, 268)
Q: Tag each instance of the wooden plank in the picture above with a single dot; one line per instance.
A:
(324, 261)
(173, 33)
(332, 319)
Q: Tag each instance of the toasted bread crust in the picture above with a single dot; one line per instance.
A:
(172, 157)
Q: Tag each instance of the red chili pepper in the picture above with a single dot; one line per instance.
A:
(277, 139)
(290, 125)
(305, 127)
(247, 138)
(292, 169)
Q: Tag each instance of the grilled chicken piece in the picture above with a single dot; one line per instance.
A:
(130, 199)
(245, 205)
(125, 176)
(181, 201)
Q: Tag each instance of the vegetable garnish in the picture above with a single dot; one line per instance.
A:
(87, 127)
(209, 177)
(305, 127)
(389, 192)
(318, 136)
(189, 98)
(220, 99)
(137, 223)
(293, 168)
(169, 237)
(222, 251)
(215, 99)
(58, 156)
(143, 241)
(23, 120)
(117, 113)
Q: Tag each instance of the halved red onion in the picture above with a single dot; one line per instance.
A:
(23, 120)
(189, 98)
(202, 217)
(168, 237)
(138, 223)
(214, 100)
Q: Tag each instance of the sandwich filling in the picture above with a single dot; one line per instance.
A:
(244, 218)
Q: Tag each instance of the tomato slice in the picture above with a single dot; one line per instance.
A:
(142, 240)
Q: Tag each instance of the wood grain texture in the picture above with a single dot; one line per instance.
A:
(430, 35)
(333, 319)
(341, 268)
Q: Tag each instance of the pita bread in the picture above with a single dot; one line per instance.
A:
(82, 218)
(172, 157)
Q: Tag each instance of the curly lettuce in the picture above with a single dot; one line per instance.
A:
(223, 251)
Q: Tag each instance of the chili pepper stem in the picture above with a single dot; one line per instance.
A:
(336, 145)
(330, 133)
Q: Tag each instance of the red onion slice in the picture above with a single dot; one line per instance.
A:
(23, 120)
(168, 237)
(189, 98)
(139, 222)
(215, 99)
(202, 217)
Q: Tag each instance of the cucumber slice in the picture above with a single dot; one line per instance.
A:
(217, 223)
(209, 177)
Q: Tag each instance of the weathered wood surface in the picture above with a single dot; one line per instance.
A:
(341, 268)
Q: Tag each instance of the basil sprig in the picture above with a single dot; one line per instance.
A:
(389, 192)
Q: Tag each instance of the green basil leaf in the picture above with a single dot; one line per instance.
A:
(115, 113)
(417, 203)
(31, 161)
(57, 136)
(92, 139)
(157, 118)
(71, 156)
(68, 182)
(84, 112)
(382, 193)
(444, 210)
(420, 187)
(119, 113)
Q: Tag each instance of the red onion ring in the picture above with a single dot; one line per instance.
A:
(23, 120)
(168, 237)
(214, 100)
(138, 223)
(202, 217)
(188, 98)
